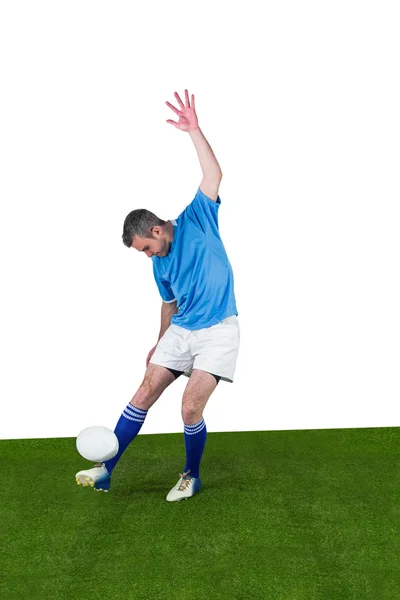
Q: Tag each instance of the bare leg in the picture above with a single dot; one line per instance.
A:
(198, 390)
(155, 381)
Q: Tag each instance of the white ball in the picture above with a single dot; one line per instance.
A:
(97, 443)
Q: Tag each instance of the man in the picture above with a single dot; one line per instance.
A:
(199, 334)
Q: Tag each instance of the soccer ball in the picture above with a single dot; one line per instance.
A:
(97, 443)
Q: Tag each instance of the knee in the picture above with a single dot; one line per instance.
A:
(143, 398)
(189, 415)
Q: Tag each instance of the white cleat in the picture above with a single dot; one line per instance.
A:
(186, 487)
(98, 478)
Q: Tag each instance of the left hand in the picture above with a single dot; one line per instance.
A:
(187, 115)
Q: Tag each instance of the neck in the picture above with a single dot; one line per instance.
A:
(170, 231)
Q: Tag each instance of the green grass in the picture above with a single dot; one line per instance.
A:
(283, 515)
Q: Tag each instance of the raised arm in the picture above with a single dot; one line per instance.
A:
(188, 122)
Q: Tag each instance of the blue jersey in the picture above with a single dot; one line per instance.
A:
(196, 271)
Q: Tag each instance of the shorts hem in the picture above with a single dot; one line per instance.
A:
(187, 373)
(210, 370)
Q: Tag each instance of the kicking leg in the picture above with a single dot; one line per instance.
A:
(155, 381)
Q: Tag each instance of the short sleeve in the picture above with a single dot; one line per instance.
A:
(164, 287)
(203, 212)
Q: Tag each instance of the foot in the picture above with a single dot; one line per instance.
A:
(185, 488)
(97, 478)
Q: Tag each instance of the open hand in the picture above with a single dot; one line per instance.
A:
(187, 114)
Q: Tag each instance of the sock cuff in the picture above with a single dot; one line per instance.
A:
(196, 428)
(134, 414)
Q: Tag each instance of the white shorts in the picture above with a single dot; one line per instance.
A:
(213, 349)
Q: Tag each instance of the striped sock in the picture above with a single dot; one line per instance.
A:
(195, 440)
(127, 428)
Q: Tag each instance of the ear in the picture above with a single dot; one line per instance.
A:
(156, 231)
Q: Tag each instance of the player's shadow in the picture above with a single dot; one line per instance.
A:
(156, 475)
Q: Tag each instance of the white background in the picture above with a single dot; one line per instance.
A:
(300, 103)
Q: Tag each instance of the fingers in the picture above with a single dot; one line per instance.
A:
(173, 108)
(181, 103)
(172, 122)
(179, 100)
(193, 104)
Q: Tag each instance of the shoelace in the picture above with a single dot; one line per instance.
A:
(185, 482)
(99, 465)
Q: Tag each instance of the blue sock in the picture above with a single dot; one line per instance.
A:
(126, 430)
(195, 440)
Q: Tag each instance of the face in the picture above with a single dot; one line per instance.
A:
(157, 246)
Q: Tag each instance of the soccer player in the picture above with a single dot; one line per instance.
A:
(199, 334)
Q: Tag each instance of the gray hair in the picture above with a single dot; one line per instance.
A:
(139, 223)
